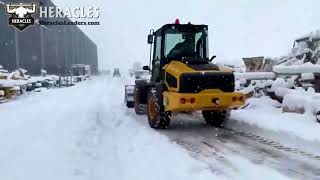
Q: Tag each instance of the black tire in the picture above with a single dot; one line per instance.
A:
(318, 116)
(130, 104)
(138, 107)
(216, 118)
(157, 117)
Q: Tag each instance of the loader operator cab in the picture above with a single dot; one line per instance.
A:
(180, 42)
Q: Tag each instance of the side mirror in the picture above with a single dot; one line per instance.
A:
(146, 68)
(150, 39)
(211, 59)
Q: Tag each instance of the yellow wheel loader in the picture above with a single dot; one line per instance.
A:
(183, 79)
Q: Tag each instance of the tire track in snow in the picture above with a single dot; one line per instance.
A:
(214, 146)
(277, 145)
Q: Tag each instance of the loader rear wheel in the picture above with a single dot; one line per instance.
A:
(216, 118)
(157, 117)
(138, 107)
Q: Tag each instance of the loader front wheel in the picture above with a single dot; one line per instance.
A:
(157, 117)
(216, 118)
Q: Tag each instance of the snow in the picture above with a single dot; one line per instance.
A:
(67, 134)
(254, 170)
(307, 76)
(7, 83)
(264, 114)
(34, 79)
(282, 91)
(248, 89)
(301, 48)
(312, 35)
(40, 88)
(55, 135)
(11, 83)
(309, 101)
(24, 71)
(20, 82)
(297, 69)
(279, 82)
(1, 93)
(255, 75)
(16, 88)
(3, 72)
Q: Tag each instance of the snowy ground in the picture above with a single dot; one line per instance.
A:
(292, 129)
(85, 132)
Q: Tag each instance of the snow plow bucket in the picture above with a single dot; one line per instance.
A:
(129, 96)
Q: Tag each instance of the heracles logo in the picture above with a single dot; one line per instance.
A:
(21, 14)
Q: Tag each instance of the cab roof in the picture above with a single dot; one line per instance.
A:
(182, 27)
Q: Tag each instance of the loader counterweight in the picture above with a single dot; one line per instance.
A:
(177, 102)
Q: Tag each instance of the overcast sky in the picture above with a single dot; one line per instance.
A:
(237, 28)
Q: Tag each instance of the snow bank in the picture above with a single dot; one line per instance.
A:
(278, 83)
(282, 91)
(302, 101)
(263, 114)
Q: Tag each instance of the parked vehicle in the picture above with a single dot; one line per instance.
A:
(80, 72)
(116, 72)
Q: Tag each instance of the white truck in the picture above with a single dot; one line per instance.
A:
(80, 72)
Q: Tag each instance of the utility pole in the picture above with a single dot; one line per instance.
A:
(17, 48)
(65, 49)
(42, 47)
(57, 47)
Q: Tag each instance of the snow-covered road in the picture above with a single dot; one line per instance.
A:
(236, 154)
(85, 132)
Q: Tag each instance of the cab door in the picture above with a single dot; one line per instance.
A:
(156, 65)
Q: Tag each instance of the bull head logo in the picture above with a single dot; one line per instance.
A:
(21, 14)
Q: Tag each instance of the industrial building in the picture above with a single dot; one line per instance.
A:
(52, 48)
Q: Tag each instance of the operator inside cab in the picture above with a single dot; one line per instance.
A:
(185, 44)
(183, 49)
(179, 42)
